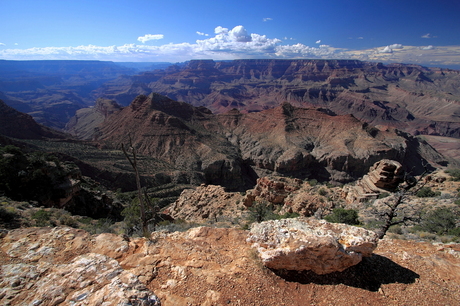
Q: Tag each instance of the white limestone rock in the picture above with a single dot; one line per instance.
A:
(311, 244)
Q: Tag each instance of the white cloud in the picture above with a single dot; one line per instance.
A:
(396, 46)
(235, 43)
(201, 33)
(360, 37)
(427, 35)
(267, 19)
(390, 48)
(387, 49)
(219, 30)
(2, 44)
(148, 37)
(318, 41)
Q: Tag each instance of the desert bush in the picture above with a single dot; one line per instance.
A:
(322, 192)
(132, 214)
(341, 215)
(67, 219)
(8, 214)
(426, 192)
(396, 229)
(440, 221)
(454, 174)
(261, 211)
(178, 225)
(383, 195)
(42, 217)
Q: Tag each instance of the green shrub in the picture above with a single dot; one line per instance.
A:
(454, 174)
(132, 215)
(439, 221)
(426, 192)
(42, 217)
(341, 215)
(288, 215)
(395, 229)
(261, 211)
(8, 214)
(322, 192)
(383, 195)
(313, 182)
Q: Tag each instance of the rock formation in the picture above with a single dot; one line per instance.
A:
(79, 279)
(394, 95)
(310, 244)
(233, 149)
(19, 125)
(383, 176)
(206, 202)
(86, 120)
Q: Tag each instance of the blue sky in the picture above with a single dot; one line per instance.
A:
(412, 31)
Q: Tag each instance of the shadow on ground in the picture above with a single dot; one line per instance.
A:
(369, 274)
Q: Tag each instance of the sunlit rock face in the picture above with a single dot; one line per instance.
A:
(310, 244)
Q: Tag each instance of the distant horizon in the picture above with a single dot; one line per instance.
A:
(442, 66)
(422, 32)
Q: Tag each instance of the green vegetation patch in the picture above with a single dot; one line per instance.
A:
(342, 215)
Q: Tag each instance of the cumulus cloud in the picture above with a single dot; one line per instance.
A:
(390, 48)
(267, 19)
(396, 46)
(148, 37)
(318, 41)
(227, 44)
(201, 33)
(2, 44)
(387, 49)
(427, 35)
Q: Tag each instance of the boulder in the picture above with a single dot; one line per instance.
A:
(311, 244)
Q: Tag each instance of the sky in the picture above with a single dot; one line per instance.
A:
(409, 31)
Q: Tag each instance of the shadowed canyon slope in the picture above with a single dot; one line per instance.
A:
(232, 149)
(416, 99)
(19, 125)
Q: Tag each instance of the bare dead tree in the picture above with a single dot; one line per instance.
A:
(392, 216)
(141, 193)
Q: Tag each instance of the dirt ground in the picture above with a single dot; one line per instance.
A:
(216, 266)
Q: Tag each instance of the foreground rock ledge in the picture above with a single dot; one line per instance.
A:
(311, 244)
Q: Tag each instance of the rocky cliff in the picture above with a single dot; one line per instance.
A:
(232, 149)
(19, 125)
(410, 97)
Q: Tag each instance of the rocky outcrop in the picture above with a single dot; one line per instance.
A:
(206, 202)
(79, 279)
(310, 244)
(383, 176)
(273, 191)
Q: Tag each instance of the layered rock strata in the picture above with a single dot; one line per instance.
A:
(383, 176)
(233, 149)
